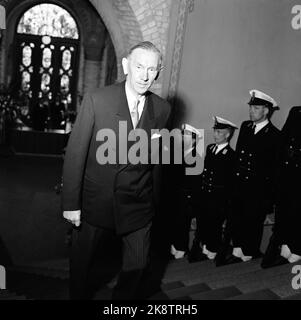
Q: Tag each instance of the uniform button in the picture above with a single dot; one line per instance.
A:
(240, 159)
(250, 154)
(237, 173)
(188, 197)
(286, 162)
(242, 151)
(247, 177)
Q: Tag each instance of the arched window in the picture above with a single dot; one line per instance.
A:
(48, 20)
(47, 42)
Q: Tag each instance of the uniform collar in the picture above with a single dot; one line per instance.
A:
(260, 125)
(221, 146)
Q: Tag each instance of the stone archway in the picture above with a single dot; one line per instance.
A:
(127, 22)
(130, 21)
(96, 43)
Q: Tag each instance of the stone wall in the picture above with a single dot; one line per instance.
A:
(136, 20)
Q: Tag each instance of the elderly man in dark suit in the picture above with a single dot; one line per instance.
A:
(285, 243)
(106, 197)
(255, 173)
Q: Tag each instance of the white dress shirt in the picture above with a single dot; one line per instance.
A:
(260, 125)
(131, 99)
(220, 147)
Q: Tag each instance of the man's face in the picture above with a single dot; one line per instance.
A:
(258, 113)
(221, 135)
(142, 68)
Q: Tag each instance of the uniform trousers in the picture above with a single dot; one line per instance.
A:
(288, 220)
(214, 207)
(247, 216)
(187, 206)
(89, 241)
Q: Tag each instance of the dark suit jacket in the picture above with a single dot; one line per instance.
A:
(115, 196)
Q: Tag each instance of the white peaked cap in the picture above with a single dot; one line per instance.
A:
(190, 128)
(223, 123)
(256, 94)
(2, 18)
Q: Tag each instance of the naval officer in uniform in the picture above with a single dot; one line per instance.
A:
(215, 186)
(186, 193)
(285, 243)
(254, 180)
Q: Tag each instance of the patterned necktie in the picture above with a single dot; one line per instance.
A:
(135, 114)
(253, 128)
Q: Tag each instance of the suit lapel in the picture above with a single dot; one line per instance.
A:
(123, 112)
(147, 119)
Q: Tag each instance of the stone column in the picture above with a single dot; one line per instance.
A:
(93, 53)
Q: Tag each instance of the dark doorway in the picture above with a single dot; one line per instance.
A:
(47, 54)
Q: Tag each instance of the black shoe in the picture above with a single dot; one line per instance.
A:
(257, 255)
(220, 259)
(276, 261)
(272, 255)
(222, 254)
(232, 259)
(196, 256)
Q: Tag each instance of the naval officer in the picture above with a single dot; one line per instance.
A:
(285, 243)
(254, 180)
(186, 193)
(215, 186)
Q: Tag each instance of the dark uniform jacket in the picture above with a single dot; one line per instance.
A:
(257, 158)
(290, 155)
(218, 169)
(288, 209)
(115, 196)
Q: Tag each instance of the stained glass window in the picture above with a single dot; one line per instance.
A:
(26, 56)
(48, 19)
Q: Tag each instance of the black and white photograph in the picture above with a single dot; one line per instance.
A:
(150, 153)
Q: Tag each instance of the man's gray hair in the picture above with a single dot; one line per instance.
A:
(147, 45)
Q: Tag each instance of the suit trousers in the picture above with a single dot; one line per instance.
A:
(90, 244)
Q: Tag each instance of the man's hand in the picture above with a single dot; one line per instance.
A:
(73, 217)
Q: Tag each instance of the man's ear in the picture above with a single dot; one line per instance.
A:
(266, 110)
(157, 76)
(125, 65)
